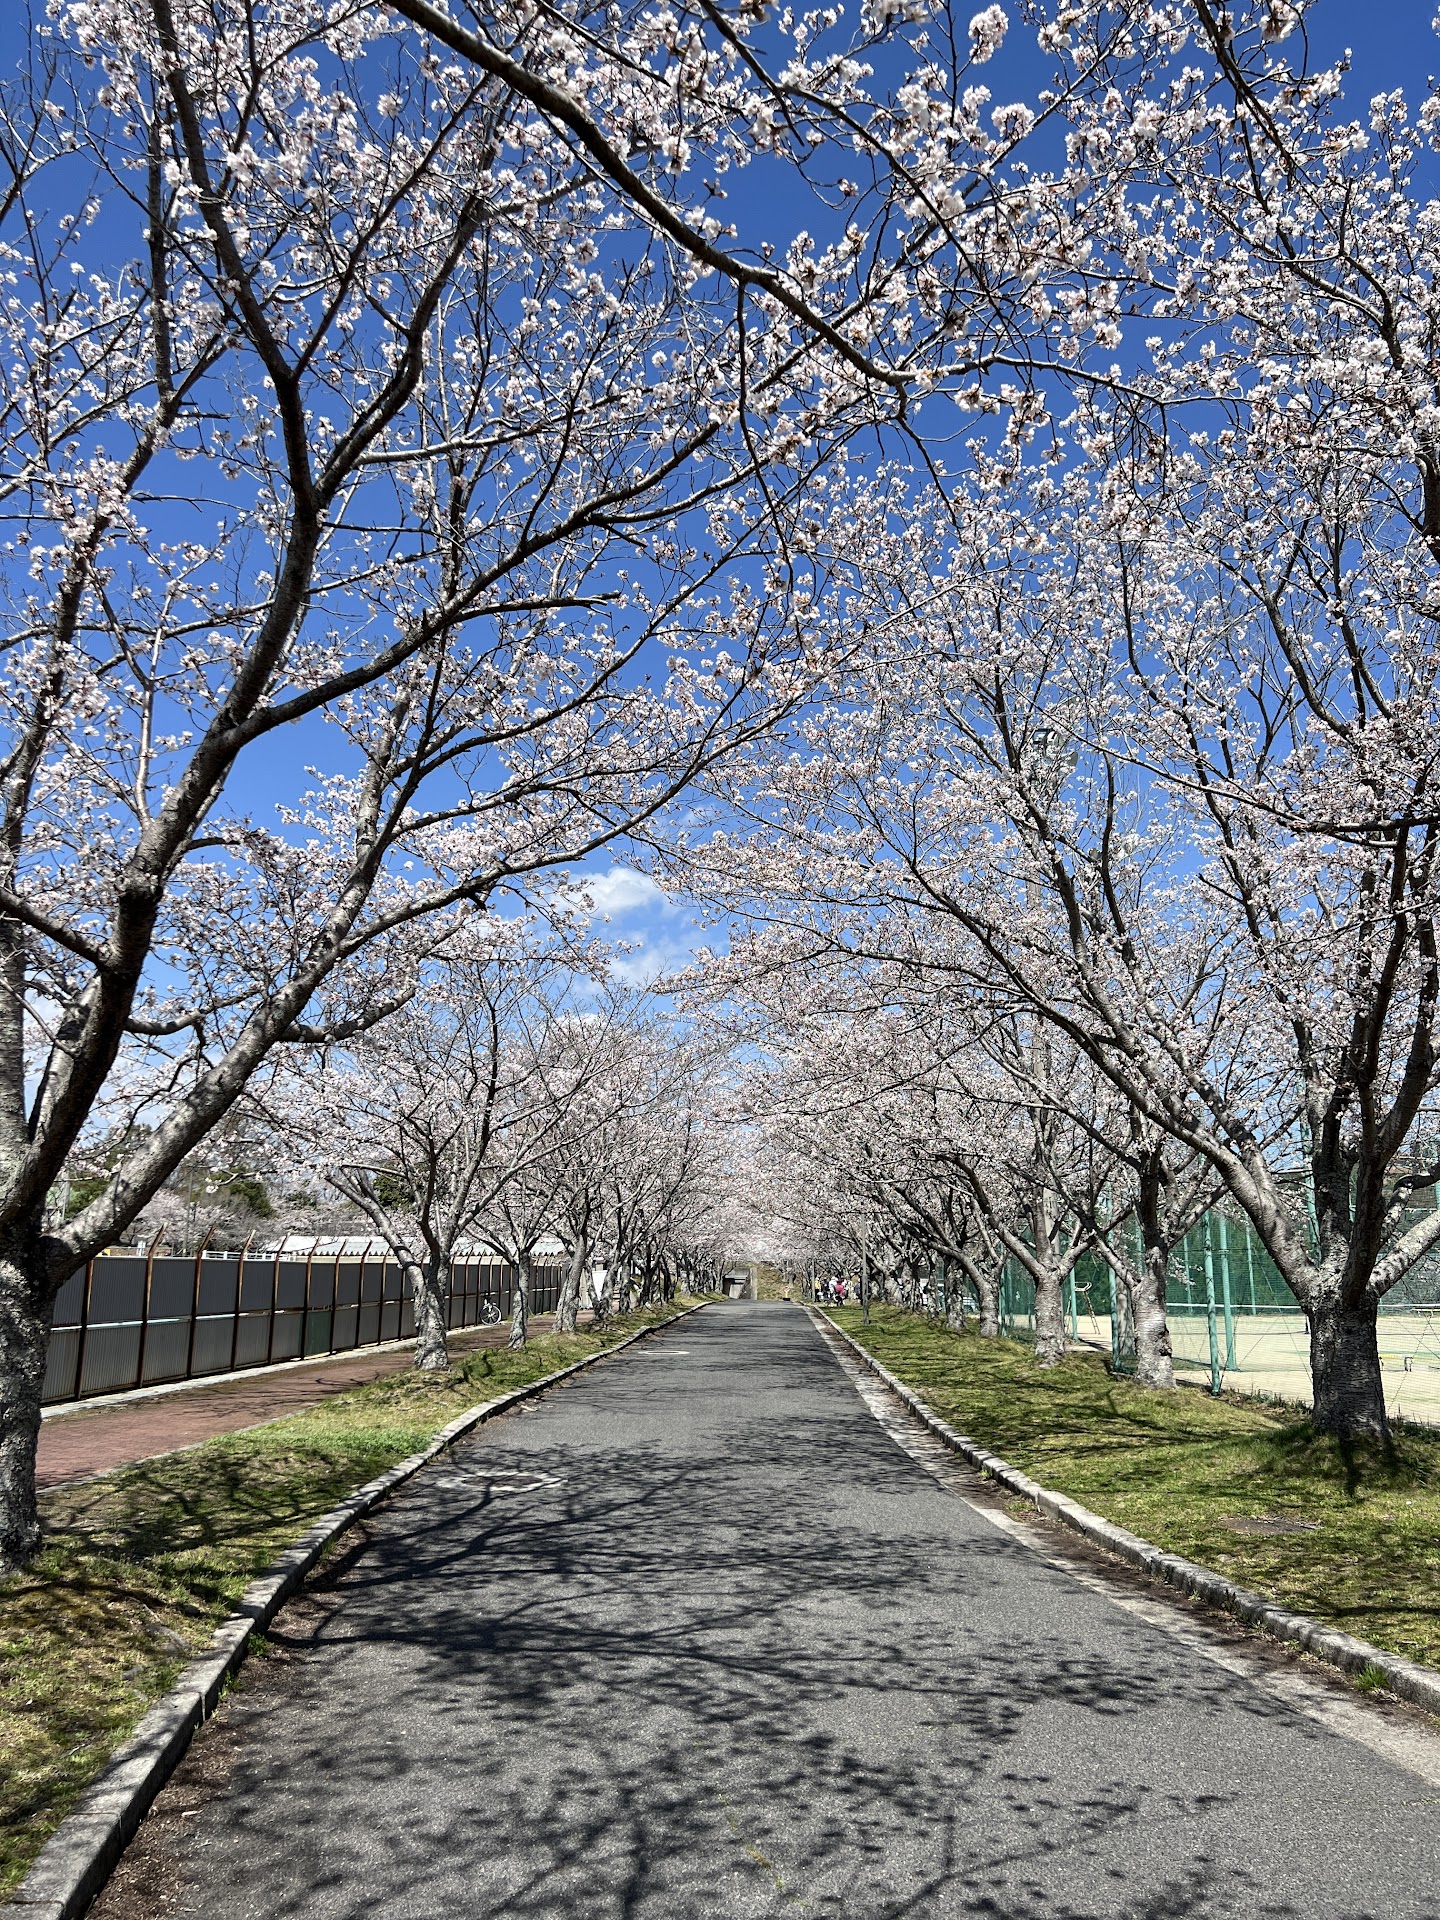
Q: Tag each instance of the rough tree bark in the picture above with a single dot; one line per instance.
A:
(520, 1318)
(1349, 1390)
(1154, 1356)
(954, 1297)
(986, 1283)
(567, 1308)
(27, 1302)
(1050, 1342)
(427, 1280)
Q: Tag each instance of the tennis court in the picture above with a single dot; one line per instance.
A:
(1267, 1352)
(1234, 1322)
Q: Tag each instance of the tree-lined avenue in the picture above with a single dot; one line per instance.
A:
(695, 1636)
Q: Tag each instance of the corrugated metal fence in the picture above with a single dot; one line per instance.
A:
(131, 1321)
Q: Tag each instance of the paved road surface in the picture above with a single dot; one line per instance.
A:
(117, 1432)
(697, 1638)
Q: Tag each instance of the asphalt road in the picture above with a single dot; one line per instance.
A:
(696, 1637)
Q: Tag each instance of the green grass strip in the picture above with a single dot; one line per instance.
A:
(140, 1566)
(1348, 1535)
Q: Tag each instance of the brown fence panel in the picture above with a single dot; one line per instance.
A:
(129, 1321)
(392, 1302)
(62, 1365)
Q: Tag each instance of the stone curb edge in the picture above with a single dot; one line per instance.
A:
(77, 1859)
(1420, 1685)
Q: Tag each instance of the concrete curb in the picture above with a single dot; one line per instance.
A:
(1420, 1685)
(78, 1858)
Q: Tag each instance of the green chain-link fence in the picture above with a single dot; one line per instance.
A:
(1234, 1322)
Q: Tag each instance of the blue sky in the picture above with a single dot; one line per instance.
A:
(1393, 44)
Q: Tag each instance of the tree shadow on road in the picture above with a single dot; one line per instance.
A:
(766, 1667)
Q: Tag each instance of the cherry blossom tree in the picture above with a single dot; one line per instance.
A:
(659, 1174)
(619, 1076)
(371, 348)
(521, 1210)
(1257, 713)
(1143, 740)
(391, 392)
(617, 1157)
(414, 1122)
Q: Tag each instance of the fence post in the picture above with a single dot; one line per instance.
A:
(145, 1314)
(194, 1316)
(305, 1316)
(84, 1324)
(274, 1307)
(1225, 1294)
(1210, 1310)
(239, 1283)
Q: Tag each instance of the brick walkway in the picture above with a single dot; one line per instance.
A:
(98, 1438)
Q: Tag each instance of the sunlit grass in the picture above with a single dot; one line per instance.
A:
(139, 1566)
(1181, 1468)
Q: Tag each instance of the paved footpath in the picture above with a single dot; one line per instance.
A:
(110, 1433)
(698, 1637)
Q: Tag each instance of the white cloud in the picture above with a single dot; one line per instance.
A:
(622, 891)
(650, 958)
(656, 933)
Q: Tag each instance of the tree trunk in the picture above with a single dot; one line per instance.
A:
(520, 1319)
(1345, 1368)
(1154, 1361)
(599, 1298)
(1049, 1316)
(1122, 1320)
(567, 1307)
(987, 1295)
(432, 1353)
(647, 1281)
(27, 1305)
(953, 1295)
